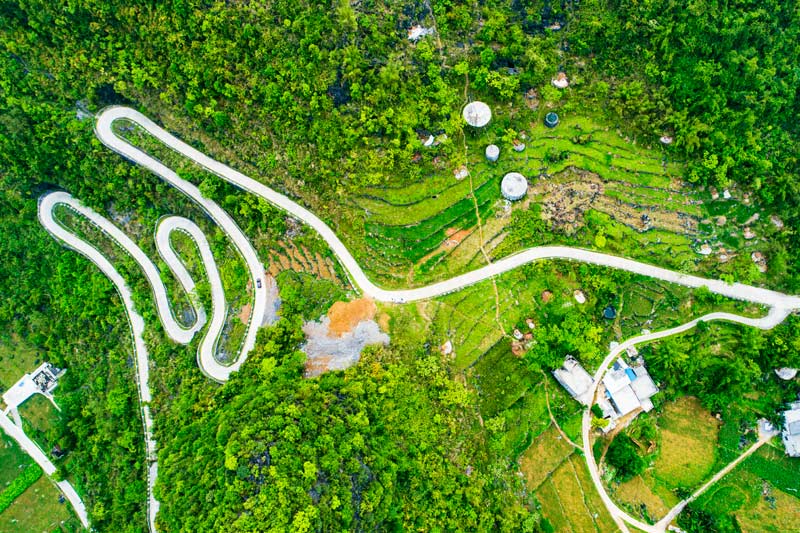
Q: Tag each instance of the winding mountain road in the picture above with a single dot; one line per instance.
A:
(781, 304)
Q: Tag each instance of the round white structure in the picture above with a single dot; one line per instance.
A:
(477, 114)
(492, 152)
(786, 373)
(514, 186)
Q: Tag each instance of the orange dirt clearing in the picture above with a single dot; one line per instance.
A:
(344, 316)
(244, 313)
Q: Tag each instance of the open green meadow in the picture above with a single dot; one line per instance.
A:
(760, 495)
(38, 510)
(12, 460)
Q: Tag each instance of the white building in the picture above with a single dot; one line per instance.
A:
(791, 430)
(41, 381)
(492, 152)
(514, 186)
(628, 388)
(573, 377)
(477, 114)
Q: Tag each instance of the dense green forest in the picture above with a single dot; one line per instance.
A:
(320, 100)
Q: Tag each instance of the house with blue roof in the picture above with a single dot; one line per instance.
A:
(627, 389)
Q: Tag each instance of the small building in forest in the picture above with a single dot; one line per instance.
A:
(477, 114)
(492, 152)
(609, 313)
(551, 120)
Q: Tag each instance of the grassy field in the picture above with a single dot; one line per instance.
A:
(38, 510)
(17, 359)
(12, 459)
(752, 494)
(543, 457)
(636, 495)
(687, 451)
(39, 418)
(686, 455)
(569, 501)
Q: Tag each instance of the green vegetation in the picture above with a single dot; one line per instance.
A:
(389, 450)
(723, 365)
(687, 436)
(754, 497)
(624, 456)
(39, 509)
(25, 479)
(12, 458)
(327, 106)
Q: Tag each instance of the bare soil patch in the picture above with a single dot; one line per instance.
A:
(344, 316)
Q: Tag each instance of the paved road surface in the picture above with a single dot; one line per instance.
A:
(781, 304)
(46, 205)
(109, 138)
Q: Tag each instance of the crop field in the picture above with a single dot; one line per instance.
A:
(584, 175)
(749, 494)
(548, 451)
(503, 375)
(38, 510)
(569, 501)
(638, 498)
(687, 451)
(687, 455)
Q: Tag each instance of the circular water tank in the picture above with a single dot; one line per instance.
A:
(477, 114)
(551, 120)
(514, 186)
(492, 152)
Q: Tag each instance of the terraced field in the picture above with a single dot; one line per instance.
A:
(413, 225)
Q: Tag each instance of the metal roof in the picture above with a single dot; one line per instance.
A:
(477, 114)
(514, 186)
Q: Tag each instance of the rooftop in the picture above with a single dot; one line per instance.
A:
(477, 114)
(791, 431)
(629, 388)
(573, 377)
(514, 186)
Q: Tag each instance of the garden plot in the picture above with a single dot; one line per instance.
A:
(756, 504)
(546, 454)
(639, 499)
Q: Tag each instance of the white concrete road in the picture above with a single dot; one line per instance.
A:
(107, 136)
(781, 304)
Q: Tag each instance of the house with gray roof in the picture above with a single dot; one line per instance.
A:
(575, 379)
(791, 430)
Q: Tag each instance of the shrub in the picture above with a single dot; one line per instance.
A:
(624, 456)
(28, 477)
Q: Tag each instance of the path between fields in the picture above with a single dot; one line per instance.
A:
(780, 303)
(675, 511)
